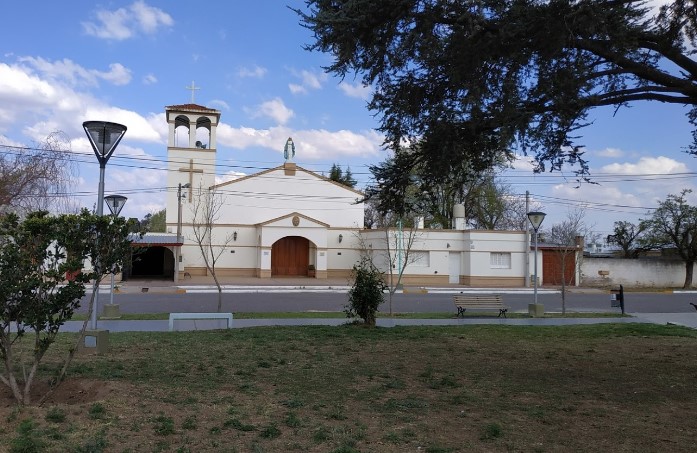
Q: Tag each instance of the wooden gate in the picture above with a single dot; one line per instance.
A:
(552, 268)
(290, 256)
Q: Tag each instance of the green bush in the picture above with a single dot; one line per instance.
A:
(366, 294)
(28, 440)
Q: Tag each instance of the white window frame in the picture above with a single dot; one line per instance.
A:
(500, 260)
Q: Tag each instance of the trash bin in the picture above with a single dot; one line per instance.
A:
(617, 298)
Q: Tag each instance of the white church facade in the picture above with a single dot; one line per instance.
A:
(291, 222)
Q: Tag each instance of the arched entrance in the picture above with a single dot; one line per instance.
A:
(152, 263)
(290, 256)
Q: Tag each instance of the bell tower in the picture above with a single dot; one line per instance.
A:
(191, 153)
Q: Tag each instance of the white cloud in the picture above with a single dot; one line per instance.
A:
(149, 79)
(610, 152)
(229, 176)
(72, 73)
(125, 23)
(150, 18)
(647, 165)
(118, 74)
(219, 103)
(9, 142)
(308, 81)
(297, 89)
(311, 80)
(255, 72)
(311, 144)
(41, 105)
(356, 91)
(274, 109)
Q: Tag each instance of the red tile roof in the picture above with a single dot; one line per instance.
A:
(190, 107)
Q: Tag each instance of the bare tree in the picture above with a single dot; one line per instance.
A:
(398, 255)
(205, 213)
(564, 236)
(493, 205)
(37, 178)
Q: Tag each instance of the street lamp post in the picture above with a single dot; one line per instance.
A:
(104, 138)
(536, 219)
(115, 204)
(179, 229)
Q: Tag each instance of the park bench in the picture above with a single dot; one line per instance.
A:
(195, 316)
(479, 302)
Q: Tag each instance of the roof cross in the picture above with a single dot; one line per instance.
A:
(193, 89)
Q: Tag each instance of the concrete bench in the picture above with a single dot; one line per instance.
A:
(195, 316)
(479, 302)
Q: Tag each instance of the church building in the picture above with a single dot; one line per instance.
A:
(291, 222)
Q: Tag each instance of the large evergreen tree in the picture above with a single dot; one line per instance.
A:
(473, 79)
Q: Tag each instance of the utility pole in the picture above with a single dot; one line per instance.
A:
(527, 241)
(177, 248)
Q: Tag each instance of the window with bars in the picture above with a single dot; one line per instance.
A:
(500, 260)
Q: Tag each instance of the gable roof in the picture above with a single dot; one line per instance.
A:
(281, 167)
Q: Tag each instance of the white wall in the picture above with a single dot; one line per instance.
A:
(273, 194)
(638, 273)
(475, 247)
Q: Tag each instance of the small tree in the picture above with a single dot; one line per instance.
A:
(398, 255)
(336, 174)
(564, 235)
(366, 294)
(205, 213)
(35, 299)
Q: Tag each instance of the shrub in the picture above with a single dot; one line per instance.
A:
(366, 294)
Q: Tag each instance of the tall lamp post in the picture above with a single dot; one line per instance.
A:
(104, 138)
(536, 219)
(115, 204)
(179, 229)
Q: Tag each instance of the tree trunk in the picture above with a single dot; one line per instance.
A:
(220, 292)
(11, 381)
(370, 319)
(689, 267)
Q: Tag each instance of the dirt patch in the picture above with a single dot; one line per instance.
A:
(72, 391)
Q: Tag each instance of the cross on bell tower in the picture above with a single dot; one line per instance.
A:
(193, 89)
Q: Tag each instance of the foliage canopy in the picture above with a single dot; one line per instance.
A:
(35, 298)
(366, 294)
(674, 225)
(471, 80)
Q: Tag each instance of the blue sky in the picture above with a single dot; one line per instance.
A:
(62, 63)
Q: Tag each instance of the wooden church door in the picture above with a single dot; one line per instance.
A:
(290, 256)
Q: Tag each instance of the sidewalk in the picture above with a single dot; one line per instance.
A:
(681, 319)
(250, 284)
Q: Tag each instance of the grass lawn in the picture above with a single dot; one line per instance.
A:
(617, 387)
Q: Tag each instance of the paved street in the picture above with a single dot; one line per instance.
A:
(299, 296)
